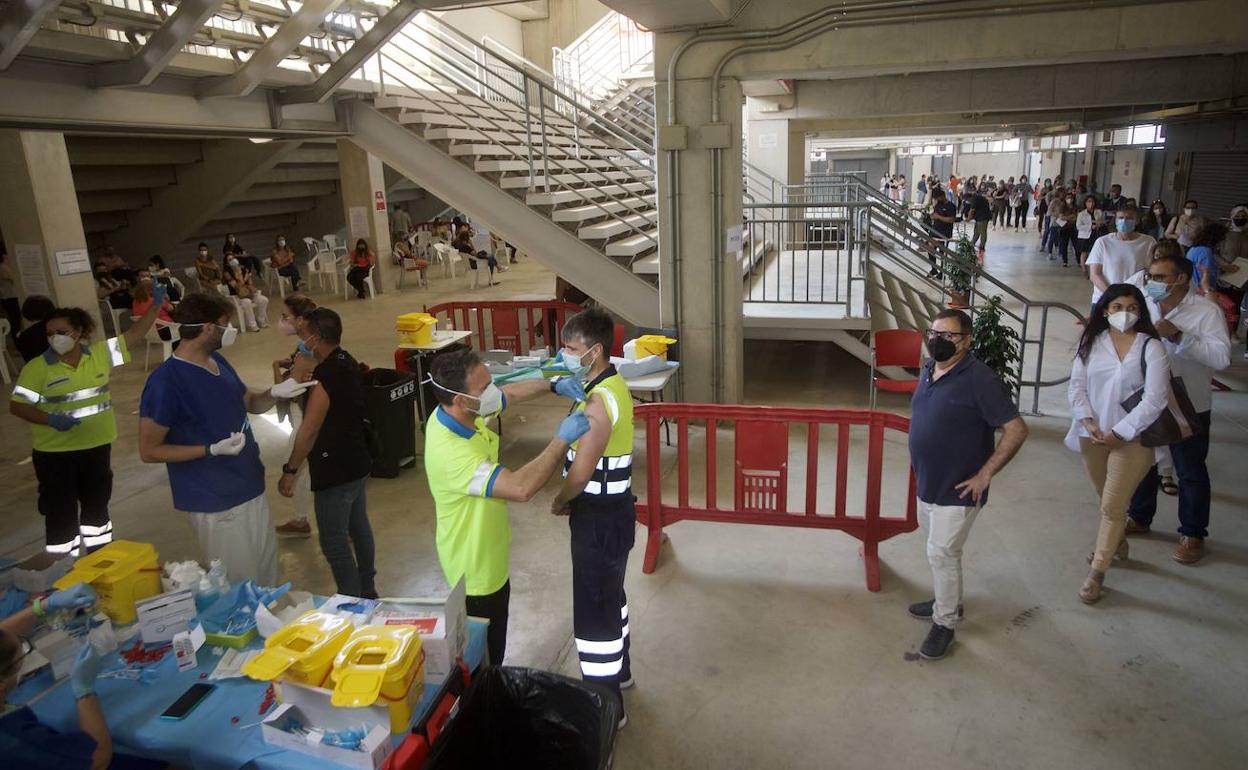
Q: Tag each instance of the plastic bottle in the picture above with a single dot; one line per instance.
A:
(217, 576)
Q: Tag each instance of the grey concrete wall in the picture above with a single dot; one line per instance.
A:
(567, 21)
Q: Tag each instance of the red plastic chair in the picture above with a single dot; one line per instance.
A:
(895, 347)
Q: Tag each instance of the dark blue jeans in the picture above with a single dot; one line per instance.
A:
(342, 512)
(1194, 488)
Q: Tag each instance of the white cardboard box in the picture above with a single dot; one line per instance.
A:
(376, 745)
(442, 624)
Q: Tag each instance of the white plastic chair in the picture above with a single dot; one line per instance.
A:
(448, 257)
(192, 275)
(224, 291)
(153, 338)
(334, 247)
(472, 275)
(115, 314)
(347, 288)
(401, 263)
(178, 285)
(424, 240)
(4, 351)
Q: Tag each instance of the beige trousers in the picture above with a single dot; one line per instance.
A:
(1115, 473)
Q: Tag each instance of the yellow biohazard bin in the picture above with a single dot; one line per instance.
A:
(122, 573)
(415, 328)
(653, 345)
(381, 663)
(302, 651)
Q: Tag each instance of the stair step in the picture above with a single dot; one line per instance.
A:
(539, 166)
(613, 226)
(647, 265)
(505, 129)
(478, 112)
(578, 196)
(494, 137)
(596, 211)
(587, 178)
(637, 244)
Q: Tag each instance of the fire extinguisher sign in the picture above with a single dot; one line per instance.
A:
(380, 198)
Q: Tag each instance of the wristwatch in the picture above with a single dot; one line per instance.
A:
(286, 469)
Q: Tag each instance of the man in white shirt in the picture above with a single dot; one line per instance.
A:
(1119, 255)
(1193, 330)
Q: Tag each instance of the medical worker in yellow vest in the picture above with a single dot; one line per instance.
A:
(470, 488)
(598, 498)
(64, 395)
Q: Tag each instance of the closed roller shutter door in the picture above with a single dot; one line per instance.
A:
(1218, 181)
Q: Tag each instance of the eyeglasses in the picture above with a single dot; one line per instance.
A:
(949, 336)
(1163, 278)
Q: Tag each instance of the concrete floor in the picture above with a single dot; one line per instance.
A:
(761, 647)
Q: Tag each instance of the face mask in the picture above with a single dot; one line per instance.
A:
(228, 335)
(489, 402)
(305, 349)
(1156, 290)
(61, 343)
(1156, 212)
(281, 242)
(575, 363)
(287, 328)
(231, 239)
(1190, 212)
(1125, 225)
(941, 349)
(234, 263)
(203, 255)
(1123, 320)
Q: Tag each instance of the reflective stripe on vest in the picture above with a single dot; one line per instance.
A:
(87, 411)
(613, 475)
(77, 395)
(114, 351)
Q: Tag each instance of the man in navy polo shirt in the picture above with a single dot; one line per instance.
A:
(958, 407)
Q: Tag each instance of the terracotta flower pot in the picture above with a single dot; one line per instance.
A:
(959, 299)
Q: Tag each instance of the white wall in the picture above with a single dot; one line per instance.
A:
(487, 22)
(567, 21)
(920, 165)
(1002, 165)
(1128, 171)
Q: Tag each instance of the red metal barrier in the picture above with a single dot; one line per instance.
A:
(512, 324)
(761, 474)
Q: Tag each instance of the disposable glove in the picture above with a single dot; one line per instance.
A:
(86, 669)
(290, 388)
(231, 445)
(573, 427)
(61, 421)
(76, 597)
(569, 387)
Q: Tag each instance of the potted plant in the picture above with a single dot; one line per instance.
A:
(996, 343)
(960, 265)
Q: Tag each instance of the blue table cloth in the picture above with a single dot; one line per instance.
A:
(207, 739)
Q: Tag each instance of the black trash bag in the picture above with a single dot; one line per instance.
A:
(523, 718)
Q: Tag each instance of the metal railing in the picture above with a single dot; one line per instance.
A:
(886, 232)
(803, 259)
(596, 63)
(518, 114)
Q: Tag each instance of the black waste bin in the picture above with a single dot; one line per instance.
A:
(390, 405)
(523, 718)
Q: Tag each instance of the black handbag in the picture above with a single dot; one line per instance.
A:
(1177, 421)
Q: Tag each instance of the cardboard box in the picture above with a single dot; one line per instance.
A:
(443, 627)
(374, 749)
(165, 615)
(36, 574)
(316, 703)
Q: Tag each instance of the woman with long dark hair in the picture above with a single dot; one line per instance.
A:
(1119, 354)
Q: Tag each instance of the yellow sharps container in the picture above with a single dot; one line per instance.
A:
(383, 663)
(303, 651)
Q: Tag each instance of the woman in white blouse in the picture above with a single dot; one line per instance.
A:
(1107, 371)
(1087, 224)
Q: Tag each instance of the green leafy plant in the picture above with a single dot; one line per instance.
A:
(961, 265)
(996, 343)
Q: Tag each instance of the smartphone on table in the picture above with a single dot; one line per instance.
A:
(187, 702)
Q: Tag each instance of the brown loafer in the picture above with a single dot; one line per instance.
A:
(1189, 550)
(1136, 528)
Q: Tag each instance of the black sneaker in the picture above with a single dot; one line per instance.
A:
(923, 610)
(936, 645)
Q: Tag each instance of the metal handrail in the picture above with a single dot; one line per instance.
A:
(777, 210)
(614, 36)
(528, 143)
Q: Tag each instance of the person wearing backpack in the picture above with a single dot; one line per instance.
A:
(334, 439)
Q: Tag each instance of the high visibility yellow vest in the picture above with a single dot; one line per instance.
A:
(614, 473)
(82, 391)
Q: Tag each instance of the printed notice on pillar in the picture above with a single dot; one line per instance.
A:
(734, 239)
(359, 221)
(30, 267)
(72, 262)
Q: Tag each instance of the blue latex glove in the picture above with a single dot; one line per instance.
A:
(570, 387)
(86, 669)
(159, 292)
(61, 421)
(76, 597)
(573, 427)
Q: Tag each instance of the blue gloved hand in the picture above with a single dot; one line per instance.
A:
(159, 292)
(570, 387)
(61, 421)
(86, 669)
(573, 427)
(76, 597)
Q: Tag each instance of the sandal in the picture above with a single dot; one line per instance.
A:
(1169, 486)
(1090, 591)
(1121, 553)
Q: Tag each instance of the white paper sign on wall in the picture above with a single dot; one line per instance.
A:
(72, 262)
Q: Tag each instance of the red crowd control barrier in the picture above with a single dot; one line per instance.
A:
(761, 474)
(511, 324)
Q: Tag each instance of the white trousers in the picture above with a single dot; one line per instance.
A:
(947, 529)
(255, 310)
(1165, 465)
(242, 538)
(303, 481)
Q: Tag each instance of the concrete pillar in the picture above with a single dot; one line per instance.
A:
(39, 218)
(777, 150)
(363, 185)
(712, 370)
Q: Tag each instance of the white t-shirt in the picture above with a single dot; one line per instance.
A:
(1119, 259)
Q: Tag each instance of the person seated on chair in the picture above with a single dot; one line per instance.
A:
(159, 272)
(463, 244)
(283, 261)
(207, 270)
(33, 340)
(117, 267)
(232, 248)
(115, 293)
(143, 300)
(255, 305)
(408, 260)
(362, 261)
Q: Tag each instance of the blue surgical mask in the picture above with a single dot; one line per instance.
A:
(1125, 225)
(304, 349)
(573, 363)
(1156, 290)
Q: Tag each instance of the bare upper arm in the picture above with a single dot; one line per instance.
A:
(591, 446)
